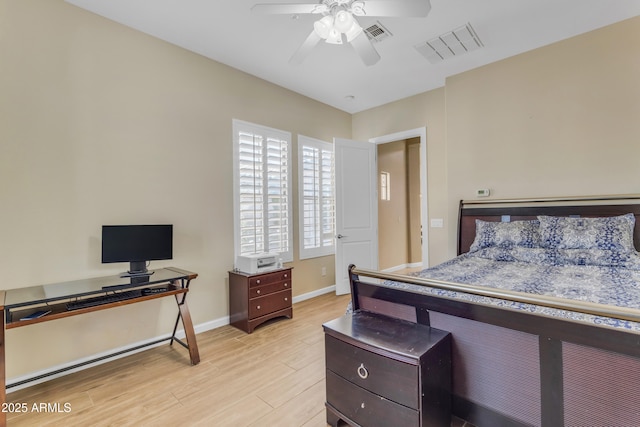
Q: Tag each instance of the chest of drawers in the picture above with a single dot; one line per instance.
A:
(256, 298)
(382, 371)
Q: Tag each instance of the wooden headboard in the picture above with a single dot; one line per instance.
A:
(524, 209)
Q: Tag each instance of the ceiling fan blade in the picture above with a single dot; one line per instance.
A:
(408, 8)
(305, 48)
(288, 8)
(365, 49)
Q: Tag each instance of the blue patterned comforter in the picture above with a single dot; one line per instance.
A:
(530, 271)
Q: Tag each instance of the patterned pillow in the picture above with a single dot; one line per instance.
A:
(515, 254)
(611, 233)
(561, 257)
(506, 234)
(598, 257)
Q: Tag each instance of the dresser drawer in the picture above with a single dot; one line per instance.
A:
(265, 279)
(269, 303)
(392, 379)
(366, 408)
(259, 291)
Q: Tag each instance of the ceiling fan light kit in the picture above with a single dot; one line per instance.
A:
(323, 26)
(331, 28)
(339, 21)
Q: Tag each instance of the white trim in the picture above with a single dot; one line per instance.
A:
(402, 267)
(313, 294)
(424, 208)
(203, 327)
(180, 334)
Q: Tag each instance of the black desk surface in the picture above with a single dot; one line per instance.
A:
(98, 285)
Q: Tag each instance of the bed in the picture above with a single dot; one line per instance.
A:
(543, 306)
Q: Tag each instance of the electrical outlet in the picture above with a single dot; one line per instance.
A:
(323, 271)
(483, 192)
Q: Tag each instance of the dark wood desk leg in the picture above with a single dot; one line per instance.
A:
(184, 296)
(189, 332)
(3, 391)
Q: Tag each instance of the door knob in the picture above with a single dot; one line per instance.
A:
(340, 236)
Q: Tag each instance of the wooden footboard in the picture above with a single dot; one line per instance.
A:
(514, 368)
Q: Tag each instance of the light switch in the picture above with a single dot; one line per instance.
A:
(437, 223)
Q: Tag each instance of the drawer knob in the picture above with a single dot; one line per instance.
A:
(258, 307)
(258, 291)
(286, 275)
(258, 281)
(362, 405)
(286, 298)
(286, 285)
(363, 373)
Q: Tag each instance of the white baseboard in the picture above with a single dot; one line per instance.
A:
(202, 327)
(402, 267)
(222, 321)
(314, 294)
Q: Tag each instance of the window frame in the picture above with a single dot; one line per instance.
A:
(239, 126)
(322, 249)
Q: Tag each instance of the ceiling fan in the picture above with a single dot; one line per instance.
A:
(338, 21)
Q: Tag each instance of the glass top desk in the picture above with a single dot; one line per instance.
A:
(36, 304)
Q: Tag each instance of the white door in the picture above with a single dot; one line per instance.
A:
(356, 208)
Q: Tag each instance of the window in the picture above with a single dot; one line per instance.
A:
(316, 197)
(385, 186)
(262, 190)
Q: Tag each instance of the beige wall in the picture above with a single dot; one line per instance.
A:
(414, 201)
(559, 120)
(102, 124)
(423, 110)
(556, 121)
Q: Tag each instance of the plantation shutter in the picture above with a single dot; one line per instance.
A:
(316, 194)
(263, 190)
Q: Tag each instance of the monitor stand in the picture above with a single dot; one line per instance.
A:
(137, 269)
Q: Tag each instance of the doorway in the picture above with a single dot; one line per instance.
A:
(402, 201)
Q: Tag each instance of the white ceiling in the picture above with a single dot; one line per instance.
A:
(261, 45)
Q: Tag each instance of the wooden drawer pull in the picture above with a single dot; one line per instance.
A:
(362, 372)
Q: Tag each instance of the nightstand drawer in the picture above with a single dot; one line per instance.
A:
(265, 279)
(260, 291)
(374, 372)
(269, 303)
(366, 408)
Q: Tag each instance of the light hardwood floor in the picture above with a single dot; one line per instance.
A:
(272, 377)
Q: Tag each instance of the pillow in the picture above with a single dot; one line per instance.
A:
(598, 257)
(506, 234)
(515, 254)
(561, 257)
(610, 233)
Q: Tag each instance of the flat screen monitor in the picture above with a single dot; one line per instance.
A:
(137, 245)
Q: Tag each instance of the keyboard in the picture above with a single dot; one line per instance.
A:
(103, 299)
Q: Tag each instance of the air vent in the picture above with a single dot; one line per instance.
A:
(377, 32)
(454, 43)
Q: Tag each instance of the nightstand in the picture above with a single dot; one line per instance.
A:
(382, 371)
(256, 298)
